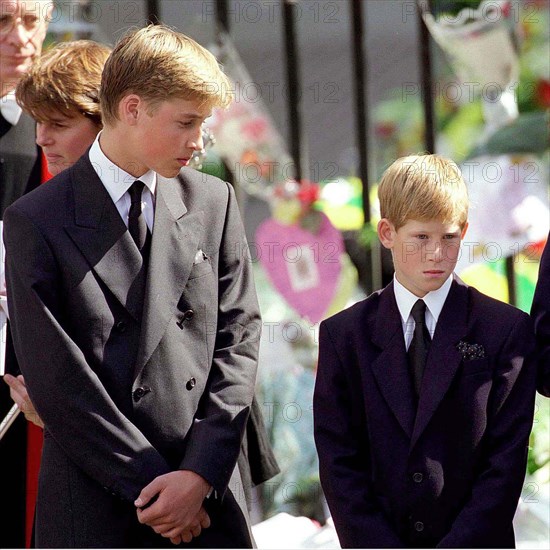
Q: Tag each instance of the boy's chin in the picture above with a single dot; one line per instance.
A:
(169, 172)
(434, 285)
(55, 169)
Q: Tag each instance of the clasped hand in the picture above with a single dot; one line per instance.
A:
(18, 392)
(177, 513)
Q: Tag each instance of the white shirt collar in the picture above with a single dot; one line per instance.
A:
(434, 300)
(115, 179)
(10, 109)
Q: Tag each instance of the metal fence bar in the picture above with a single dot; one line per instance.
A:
(361, 117)
(293, 83)
(222, 16)
(426, 81)
(153, 11)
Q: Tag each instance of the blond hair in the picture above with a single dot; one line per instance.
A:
(158, 63)
(65, 79)
(423, 187)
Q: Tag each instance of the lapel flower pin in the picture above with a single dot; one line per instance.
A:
(470, 351)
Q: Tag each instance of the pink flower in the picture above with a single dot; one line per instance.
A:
(255, 129)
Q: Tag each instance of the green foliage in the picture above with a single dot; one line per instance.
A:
(529, 133)
(452, 7)
(214, 166)
(367, 235)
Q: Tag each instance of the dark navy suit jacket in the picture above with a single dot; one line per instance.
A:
(541, 317)
(447, 473)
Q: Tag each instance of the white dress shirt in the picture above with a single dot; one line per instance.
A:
(117, 182)
(434, 301)
(9, 108)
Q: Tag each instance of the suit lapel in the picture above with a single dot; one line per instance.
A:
(390, 368)
(176, 235)
(102, 237)
(444, 357)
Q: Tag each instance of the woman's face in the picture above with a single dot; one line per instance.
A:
(64, 139)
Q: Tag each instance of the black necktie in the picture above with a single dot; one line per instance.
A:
(420, 344)
(136, 220)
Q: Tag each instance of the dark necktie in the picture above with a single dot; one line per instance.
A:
(137, 226)
(420, 344)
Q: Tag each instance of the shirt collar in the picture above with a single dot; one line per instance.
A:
(435, 300)
(115, 179)
(10, 109)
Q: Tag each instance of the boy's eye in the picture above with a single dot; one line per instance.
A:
(422, 236)
(450, 236)
(190, 123)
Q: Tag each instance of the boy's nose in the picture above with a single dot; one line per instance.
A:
(43, 137)
(437, 251)
(196, 142)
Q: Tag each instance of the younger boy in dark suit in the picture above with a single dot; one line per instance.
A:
(424, 395)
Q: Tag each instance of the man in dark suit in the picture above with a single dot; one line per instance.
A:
(22, 30)
(135, 317)
(541, 317)
(424, 395)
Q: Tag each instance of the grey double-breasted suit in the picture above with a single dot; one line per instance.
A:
(135, 370)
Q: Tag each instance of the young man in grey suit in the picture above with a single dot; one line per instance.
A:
(135, 316)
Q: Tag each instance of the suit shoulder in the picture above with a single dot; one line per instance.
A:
(194, 181)
(349, 317)
(204, 192)
(494, 311)
(45, 201)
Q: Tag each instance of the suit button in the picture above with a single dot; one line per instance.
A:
(190, 384)
(418, 477)
(419, 526)
(140, 392)
(121, 326)
(187, 315)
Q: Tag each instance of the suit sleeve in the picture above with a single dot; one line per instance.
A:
(541, 317)
(75, 407)
(497, 488)
(341, 437)
(219, 425)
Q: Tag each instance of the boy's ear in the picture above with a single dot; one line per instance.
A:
(386, 232)
(129, 108)
(464, 229)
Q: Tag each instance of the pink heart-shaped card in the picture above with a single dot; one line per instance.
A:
(304, 267)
